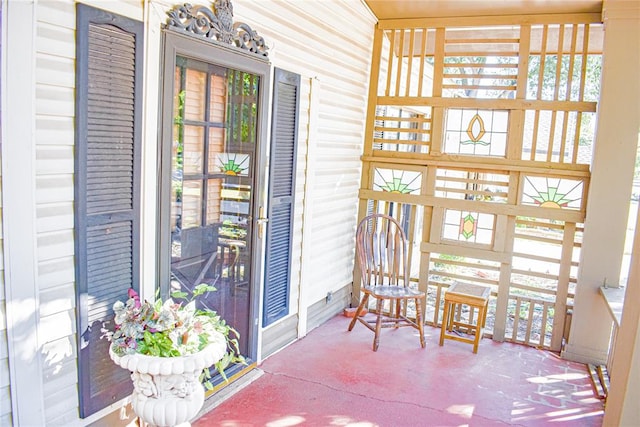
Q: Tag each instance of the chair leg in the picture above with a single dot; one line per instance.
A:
(357, 313)
(420, 321)
(479, 329)
(445, 321)
(376, 338)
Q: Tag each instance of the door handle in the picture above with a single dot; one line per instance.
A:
(261, 222)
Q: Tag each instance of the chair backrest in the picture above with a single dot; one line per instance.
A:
(381, 251)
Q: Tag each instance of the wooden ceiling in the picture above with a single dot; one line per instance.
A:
(400, 9)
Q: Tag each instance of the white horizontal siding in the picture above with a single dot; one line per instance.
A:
(54, 169)
(5, 386)
(330, 41)
(55, 272)
(327, 40)
(53, 216)
(5, 383)
(54, 130)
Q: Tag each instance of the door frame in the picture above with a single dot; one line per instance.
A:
(206, 50)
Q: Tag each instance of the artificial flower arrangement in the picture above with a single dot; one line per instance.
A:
(170, 329)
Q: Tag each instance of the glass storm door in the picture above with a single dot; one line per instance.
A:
(214, 154)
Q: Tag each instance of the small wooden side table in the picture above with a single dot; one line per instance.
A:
(474, 296)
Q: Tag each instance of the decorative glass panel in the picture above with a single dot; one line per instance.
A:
(464, 226)
(397, 181)
(233, 164)
(476, 132)
(558, 193)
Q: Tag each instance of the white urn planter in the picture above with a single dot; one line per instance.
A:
(167, 390)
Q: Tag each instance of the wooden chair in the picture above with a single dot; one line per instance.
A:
(381, 253)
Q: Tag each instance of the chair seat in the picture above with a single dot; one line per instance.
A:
(393, 292)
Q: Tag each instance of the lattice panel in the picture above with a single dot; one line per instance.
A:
(540, 261)
(481, 65)
(530, 321)
(407, 62)
(558, 136)
(445, 268)
(402, 130)
(472, 185)
(499, 118)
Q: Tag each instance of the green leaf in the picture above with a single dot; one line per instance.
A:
(179, 295)
(203, 288)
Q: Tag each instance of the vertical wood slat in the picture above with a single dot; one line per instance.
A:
(411, 238)
(438, 62)
(543, 328)
(390, 61)
(541, 64)
(532, 311)
(412, 35)
(376, 61)
(562, 290)
(556, 92)
(583, 76)
(400, 66)
(516, 320)
(438, 302)
(524, 50)
(423, 50)
(565, 124)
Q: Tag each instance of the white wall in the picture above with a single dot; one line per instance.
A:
(5, 388)
(327, 42)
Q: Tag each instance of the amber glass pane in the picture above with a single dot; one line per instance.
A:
(218, 101)
(214, 188)
(195, 95)
(191, 203)
(193, 149)
(216, 146)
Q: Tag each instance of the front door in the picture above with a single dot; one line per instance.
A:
(212, 168)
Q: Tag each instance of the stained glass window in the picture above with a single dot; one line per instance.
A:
(558, 193)
(234, 164)
(465, 226)
(397, 181)
(476, 132)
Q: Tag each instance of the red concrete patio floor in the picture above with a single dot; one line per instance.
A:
(333, 378)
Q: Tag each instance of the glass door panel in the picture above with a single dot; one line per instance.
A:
(213, 168)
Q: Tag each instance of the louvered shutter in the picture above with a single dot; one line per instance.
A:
(107, 191)
(282, 170)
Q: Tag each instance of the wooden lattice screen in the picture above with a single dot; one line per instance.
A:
(478, 139)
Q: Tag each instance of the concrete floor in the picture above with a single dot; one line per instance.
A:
(333, 378)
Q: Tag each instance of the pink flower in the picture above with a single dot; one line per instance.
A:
(197, 327)
(133, 294)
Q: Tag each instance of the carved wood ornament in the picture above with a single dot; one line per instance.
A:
(217, 24)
